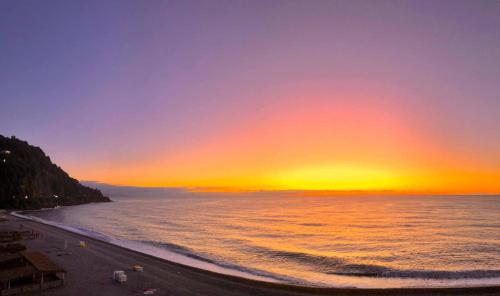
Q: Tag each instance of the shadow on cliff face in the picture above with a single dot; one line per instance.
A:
(29, 179)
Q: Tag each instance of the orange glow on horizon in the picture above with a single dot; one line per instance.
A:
(364, 146)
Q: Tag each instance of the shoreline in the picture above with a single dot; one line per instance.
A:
(263, 276)
(196, 263)
(194, 281)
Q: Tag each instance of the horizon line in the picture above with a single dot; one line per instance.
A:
(314, 192)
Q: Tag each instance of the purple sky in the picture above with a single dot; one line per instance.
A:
(97, 83)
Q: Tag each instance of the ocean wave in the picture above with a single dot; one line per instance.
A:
(340, 266)
(191, 254)
(170, 246)
(318, 262)
(180, 250)
(313, 224)
(368, 270)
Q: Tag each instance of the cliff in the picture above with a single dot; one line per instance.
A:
(29, 179)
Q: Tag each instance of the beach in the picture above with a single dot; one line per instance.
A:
(90, 270)
(291, 147)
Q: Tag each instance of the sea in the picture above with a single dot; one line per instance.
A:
(303, 238)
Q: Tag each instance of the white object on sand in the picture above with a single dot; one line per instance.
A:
(150, 291)
(119, 276)
(116, 273)
(122, 278)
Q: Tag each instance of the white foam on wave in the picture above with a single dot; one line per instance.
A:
(152, 250)
(368, 282)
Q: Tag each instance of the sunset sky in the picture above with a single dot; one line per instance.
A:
(314, 95)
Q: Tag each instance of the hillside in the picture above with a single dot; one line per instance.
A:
(29, 179)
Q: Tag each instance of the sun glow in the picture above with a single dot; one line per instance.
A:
(323, 147)
(340, 177)
(354, 141)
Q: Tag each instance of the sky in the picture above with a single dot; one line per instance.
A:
(265, 95)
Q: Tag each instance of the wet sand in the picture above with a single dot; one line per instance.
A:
(90, 269)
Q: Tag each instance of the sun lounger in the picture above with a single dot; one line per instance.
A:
(12, 248)
(11, 236)
(149, 291)
(138, 268)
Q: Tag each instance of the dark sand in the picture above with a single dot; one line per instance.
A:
(89, 272)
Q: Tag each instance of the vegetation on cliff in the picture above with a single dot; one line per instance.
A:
(29, 179)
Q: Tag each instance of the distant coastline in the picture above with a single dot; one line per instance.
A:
(120, 189)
